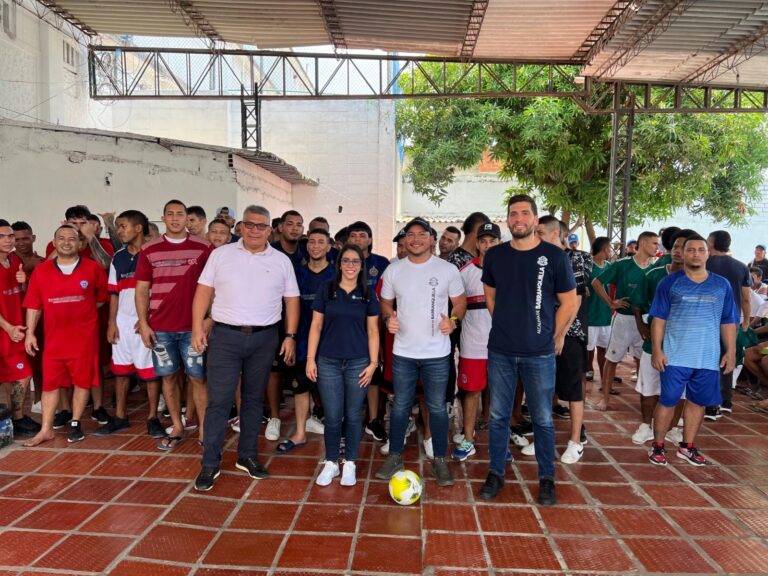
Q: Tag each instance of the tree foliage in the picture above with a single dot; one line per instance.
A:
(710, 164)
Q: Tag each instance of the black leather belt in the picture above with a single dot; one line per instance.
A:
(245, 329)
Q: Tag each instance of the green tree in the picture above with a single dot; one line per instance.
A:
(710, 164)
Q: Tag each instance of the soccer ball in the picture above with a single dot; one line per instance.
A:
(405, 487)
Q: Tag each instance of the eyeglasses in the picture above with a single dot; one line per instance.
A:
(259, 226)
(351, 261)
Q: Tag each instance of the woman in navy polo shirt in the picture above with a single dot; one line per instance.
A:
(342, 358)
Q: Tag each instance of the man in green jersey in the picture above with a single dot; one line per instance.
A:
(648, 382)
(599, 314)
(625, 275)
(667, 236)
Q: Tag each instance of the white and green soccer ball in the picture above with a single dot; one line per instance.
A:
(405, 487)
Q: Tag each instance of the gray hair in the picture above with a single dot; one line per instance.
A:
(254, 209)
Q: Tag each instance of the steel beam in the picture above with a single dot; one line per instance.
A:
(620, 177)
(250, 120)
(612, 22)
(194, 18)
(332, 23)
(476, 17)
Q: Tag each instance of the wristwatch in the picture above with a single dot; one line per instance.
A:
(456, 321)
(290, 335)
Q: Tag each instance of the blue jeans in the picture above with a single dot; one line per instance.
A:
(433, 373)
(338, 382)
(538, 376)
(173, 351)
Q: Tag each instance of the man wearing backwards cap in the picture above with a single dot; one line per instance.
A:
(422, 284)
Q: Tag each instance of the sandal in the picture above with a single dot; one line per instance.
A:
(288, 446)
(757, 409)
(169, 443)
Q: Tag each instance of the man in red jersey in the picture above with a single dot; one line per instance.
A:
(14, 364)
(68, 289)
(170, 267)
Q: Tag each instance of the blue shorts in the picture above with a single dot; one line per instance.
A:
(701, 386)
(173, 351)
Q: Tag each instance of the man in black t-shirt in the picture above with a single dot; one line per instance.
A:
(468, 249)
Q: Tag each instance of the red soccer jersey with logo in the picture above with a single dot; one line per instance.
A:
(10, 305)
(86, 252)
(68, 302)
(173, 270)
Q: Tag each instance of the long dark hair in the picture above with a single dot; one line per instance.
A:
(362, 284)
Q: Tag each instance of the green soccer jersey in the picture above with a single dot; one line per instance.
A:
(599, 313)
(663, 260)
(626, 276)
(642, 298)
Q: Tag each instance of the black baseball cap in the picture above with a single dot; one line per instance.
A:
(489, 229)
(418, 222)
(399, 235)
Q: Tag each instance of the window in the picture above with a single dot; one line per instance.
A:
(69, 54)
(8, 16)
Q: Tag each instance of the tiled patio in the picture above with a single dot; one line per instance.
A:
(116, 505)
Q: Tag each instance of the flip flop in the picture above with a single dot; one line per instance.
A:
(169, 443)
(288, 446)
(615, 392)
(758, 409)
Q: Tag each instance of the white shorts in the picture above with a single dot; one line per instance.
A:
(129, 355)
(648, 378)
(624, 338)
(598, 337)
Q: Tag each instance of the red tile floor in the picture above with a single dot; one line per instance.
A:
(118, 506)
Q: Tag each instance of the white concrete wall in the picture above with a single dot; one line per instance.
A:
(44, 170)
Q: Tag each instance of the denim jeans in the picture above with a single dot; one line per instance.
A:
(538, 376)
(173, 351)
(433, 373)
(338, 382)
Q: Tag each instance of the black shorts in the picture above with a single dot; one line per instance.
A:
(296, 378)
(571, 364)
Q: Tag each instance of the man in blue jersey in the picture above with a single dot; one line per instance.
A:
(693, 312)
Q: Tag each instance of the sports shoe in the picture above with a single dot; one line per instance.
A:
(442, 472)
(25, 427)
(114, 425)
(235, 425)
(100, 415)
(161, 404)
(493, 483)
(590, 376)
(561, 411)
(75, 432)
(188, 425)
(428, 448)
(384, 448)
(524, 429)
(375, 428)
(327, 474)
(253, 467)
(573, 453)
(643, 434)
(458, 438)
(690, 453)
(273, 429)
(411, 427)
(348, 474)
(463, 450)
(154, 428)
(712, 413)
(61, 419)
(207, 477)
(37, 407)
(518, 440)
(726, 409)
(658, 455)
(314, 425)
(529, 450)
(393, 464)
(547, 495)
(674, 436)
(583, 435)
(509, 457)
(633, 378)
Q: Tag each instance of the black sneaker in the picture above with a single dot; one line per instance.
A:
(583, 435)
(590, 376)
(375, 428)
(155, 429)
(524, 409)
(726, 409)
(493, 483)
(712, 413)
(206, 479)
(114, 425)
(525, 429)
(561, 411)
(100, 415)
(547, 492)
(253, 467)
(75, 432)
(25, 427)
(617, 380)
(61, 419)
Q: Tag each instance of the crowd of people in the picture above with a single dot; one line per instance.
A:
(219, 319)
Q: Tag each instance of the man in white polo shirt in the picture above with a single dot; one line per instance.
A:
(247, 282)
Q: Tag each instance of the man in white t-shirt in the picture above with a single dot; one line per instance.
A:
(422, 284)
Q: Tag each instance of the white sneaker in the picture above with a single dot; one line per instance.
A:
(643, 434)
(37, 407)
(235, 425)
(328, 473)
(169, 430)
(161, 404)
(681, 422)
(273, 430)
(529, 450)
(518, 440)
(348, 476)
(428, 448)
(633, 378)
(385, 448)
(458, 438)
(573, 453)
(674, 436)
(315, 426)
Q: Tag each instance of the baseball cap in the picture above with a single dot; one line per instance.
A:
(633, 241)
(418, 222)
(573, 238)
(489, 229)
(399, 235)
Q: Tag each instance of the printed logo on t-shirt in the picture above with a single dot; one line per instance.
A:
(542, 262)
(83, 284)
(373, 271)
(20, 365)
(433, 281)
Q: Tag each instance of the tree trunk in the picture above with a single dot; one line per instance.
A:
(590, 228)
(566, 217)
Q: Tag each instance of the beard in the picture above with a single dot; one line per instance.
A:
(522, 234)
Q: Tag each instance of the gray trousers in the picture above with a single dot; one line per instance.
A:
(231, 353)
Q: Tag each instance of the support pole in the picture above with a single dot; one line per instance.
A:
(621, 170)
(250, 119)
